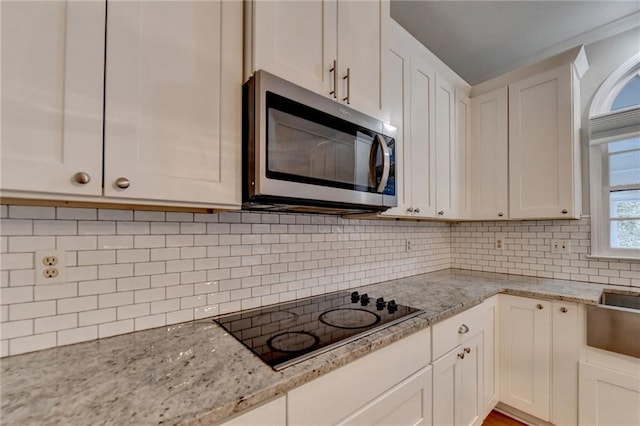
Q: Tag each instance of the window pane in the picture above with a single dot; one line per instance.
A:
(628, 96)
(624, 145)
(625, 234)
(624, 204)
(624, 168)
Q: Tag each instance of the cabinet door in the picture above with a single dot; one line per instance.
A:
(52, 95)
(491, 349)
(422, 161)
(297, 41)
(273, 413)
(446, 387)
(361, 44)
(408, 403)
(525, 352)
(541, 146)
(397, 91)
(459, 153)
(608, 397)
(488, 157)
(470, 407)
(564, 362)
(445, 125)
(173, 101)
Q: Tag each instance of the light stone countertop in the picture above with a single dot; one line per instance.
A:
(196, 373)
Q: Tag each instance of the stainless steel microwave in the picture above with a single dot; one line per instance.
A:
(305, 152)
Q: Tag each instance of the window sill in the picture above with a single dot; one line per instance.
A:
(612, 257)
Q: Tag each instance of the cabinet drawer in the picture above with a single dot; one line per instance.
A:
(452, 332)
(356, 384)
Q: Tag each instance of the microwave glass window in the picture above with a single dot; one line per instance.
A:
(309, 146)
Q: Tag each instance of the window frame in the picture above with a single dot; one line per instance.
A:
(599, 187)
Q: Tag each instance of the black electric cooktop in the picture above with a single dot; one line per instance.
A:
(291, 332)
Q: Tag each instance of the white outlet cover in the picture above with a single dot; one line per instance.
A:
(40, 267)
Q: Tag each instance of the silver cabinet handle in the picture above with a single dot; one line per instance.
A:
(500, 214)
(82, 178)
(467, 350)
(123, 183)
(410, 209)
(441, 212)
(418, 210)
(348, 78)
(565, 211)
(463, 329)
(334, 70)
(539, 306)
(461, 355)
(563, 310)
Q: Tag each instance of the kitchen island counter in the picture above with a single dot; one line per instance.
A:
(196, 373)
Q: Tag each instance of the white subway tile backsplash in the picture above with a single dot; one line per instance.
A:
(32, 343)
(99, 316)
(76, 335)
(13, 329)
(55, 291)
(131, 270)
(115, 328)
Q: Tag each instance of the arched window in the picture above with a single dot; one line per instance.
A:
(614, 156)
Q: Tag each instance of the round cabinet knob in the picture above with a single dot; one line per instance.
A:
(467, 350)
(563, 310)
(500, 214)
(539, 306)
(565, 211)
(461, 355)
(463, 329)
(123, 183)
(82, 178)
(418, 210)
(410, 209)
(441, 212)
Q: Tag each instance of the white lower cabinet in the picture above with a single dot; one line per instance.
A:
(391, 383)
(458, 385)
(608, 397)
(273, 413)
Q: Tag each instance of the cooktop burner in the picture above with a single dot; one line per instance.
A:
(291, 332)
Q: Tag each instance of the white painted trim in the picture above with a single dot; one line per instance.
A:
(609, 89)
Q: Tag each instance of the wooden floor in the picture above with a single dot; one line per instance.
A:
(498, 419)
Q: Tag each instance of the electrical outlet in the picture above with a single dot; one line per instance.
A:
(407, 245)
(50, 267)
(560, 246)
(499, 244)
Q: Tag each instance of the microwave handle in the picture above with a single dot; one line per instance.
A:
(386, 163)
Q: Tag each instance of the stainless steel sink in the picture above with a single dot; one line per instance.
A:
(614, 324)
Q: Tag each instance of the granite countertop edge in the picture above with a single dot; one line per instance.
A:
(454, 290)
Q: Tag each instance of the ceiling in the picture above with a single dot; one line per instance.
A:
(483, 39)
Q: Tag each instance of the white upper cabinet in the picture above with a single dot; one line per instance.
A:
(52, 83)
(332, 47)
(409, 88)
(445, 145)
(543, 145)
(459, 151)
(171, 86)
(296, 40)
(173, 96)
(488, 157)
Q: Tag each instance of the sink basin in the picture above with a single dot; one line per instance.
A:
(621, 300)
(614, 324)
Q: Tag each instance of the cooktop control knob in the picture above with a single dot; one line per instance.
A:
(380, 303)
(355, 297)
(364, 299)
(392, 307)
